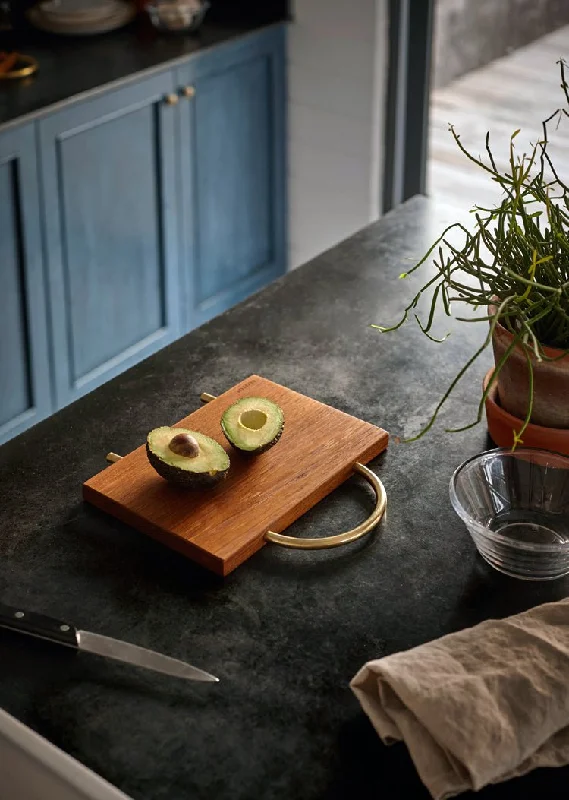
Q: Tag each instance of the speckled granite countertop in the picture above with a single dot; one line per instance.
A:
(287, 630)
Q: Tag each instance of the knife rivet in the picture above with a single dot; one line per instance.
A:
(64, 628)
(19, 614)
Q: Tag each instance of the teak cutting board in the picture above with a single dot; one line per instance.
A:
(222, 527)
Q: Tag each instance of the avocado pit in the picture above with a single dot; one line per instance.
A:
(185, 445)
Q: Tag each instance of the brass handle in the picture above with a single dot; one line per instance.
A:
(23, 67)
(348, 536)
(189, 91)
(171, 99)
(338, 539)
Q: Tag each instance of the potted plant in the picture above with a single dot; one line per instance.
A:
(512, 271)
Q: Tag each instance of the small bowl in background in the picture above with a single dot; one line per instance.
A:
(516, 508)
(177, 16)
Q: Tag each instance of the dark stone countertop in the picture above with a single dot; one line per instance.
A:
(72, 67)
(287, 630)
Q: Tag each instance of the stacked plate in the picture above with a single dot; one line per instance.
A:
(81, 17)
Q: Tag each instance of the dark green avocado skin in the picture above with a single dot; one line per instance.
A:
(259, 450)
(184, 480)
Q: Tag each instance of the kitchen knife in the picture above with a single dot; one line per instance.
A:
(53, 630)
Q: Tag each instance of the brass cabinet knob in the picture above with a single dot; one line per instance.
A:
(189, 91)
(171, 99)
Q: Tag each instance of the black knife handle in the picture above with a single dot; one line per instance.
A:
(22, 621)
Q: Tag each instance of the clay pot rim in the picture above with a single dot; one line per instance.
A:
(550, 352)
(515, 422)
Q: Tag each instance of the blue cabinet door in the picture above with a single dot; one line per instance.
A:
(232, 166)
(25, 392)
(109, 188)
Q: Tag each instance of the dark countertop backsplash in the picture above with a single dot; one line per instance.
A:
(72, 66)
(222, 12)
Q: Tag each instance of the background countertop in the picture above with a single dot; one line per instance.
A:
(73, 66)
(287, 630)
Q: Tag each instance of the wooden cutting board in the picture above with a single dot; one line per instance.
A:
(221, 527)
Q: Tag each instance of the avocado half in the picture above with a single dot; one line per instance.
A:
(253, 424)
(186, 458)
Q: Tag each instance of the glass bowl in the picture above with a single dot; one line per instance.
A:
(177, 16)
(516, 508)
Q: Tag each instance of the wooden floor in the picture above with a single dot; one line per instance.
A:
(517, 91)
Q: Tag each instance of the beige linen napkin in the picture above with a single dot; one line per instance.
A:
(479, 706)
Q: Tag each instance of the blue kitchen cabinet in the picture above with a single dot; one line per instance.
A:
(25, 390)
(232, 169)
(134, 214)
(109, 171)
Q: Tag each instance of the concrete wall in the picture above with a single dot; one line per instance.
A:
(337, 61)
(471, 33)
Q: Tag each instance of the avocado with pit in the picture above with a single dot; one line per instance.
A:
(186, 458)
(253, 424)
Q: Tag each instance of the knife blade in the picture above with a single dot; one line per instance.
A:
(63, 633)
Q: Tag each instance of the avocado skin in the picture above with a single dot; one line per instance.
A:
(182, 478)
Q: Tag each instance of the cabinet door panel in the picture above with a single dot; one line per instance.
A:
(118, 271)
(16, 390)
(111, 244)
(233, 170)
(25, 391)
(232, 166)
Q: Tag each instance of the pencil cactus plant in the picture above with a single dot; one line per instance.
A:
(513, 263)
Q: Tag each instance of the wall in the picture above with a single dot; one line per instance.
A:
(471, 33)
(229, 12)
(337, 57)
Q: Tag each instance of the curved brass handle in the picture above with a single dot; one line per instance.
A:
(24, 66)
(348, 536)
(189, 91)
(171, 99)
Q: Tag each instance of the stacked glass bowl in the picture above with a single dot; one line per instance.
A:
(516, 508)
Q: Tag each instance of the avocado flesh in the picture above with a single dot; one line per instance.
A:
(200, 472)
(253, 424)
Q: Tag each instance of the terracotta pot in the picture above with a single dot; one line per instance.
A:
(550, 379)
(501, 426)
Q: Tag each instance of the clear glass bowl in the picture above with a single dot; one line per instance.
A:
(177, 16)
(516, 508)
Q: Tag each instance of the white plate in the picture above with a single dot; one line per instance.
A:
(78, 10)
(76, 6)
(116, 19)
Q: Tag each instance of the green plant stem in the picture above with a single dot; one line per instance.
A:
(514, 260)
